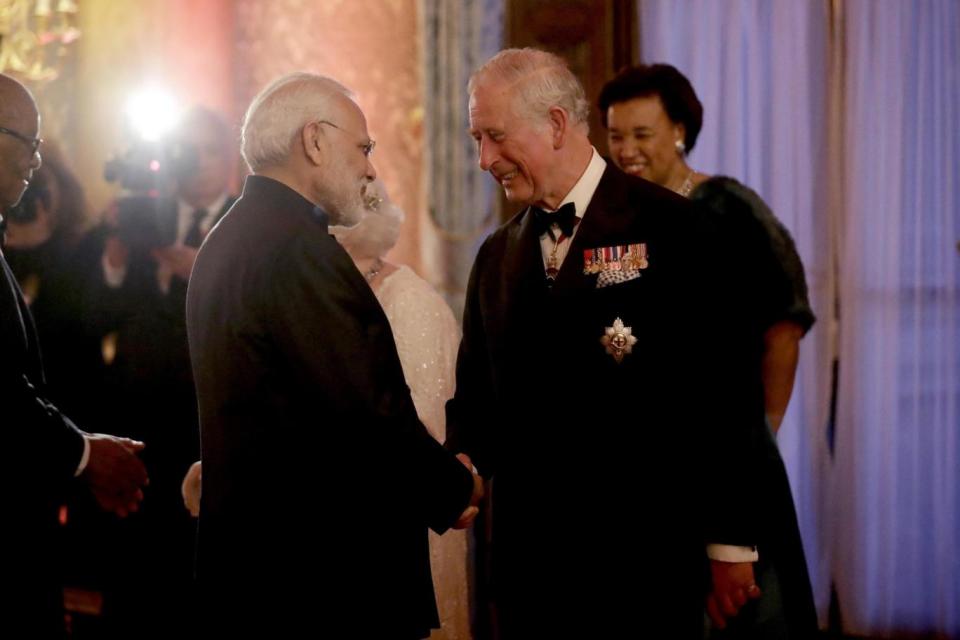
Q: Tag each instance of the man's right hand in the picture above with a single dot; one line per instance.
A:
(470, 513)
(114, 472)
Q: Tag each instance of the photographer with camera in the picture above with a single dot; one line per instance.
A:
(177, 192)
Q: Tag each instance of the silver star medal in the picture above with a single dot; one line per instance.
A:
(618, 340)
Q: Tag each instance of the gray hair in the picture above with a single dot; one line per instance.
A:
(542, 80)
(278, 113)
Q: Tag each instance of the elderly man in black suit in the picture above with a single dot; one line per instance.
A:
(43, 450)
(595, 349)
(319, 481)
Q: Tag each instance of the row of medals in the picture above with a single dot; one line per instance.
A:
(622, 258)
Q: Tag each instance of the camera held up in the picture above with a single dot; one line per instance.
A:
(148, 173)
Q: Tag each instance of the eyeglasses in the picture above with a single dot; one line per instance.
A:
(367, 147)
(33, 143)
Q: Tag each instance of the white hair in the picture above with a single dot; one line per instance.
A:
(379, 225)
(278, 113)
(542, 81)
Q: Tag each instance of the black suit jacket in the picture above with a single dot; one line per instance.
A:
(319, 481)
(608, 478)
(42, 450)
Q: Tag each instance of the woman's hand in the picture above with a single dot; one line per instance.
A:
(191, 489)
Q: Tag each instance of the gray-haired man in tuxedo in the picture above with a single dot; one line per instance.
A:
(593, 345)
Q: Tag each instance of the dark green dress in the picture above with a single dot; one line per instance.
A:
(767, 286)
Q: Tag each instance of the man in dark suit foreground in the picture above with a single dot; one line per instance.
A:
(319, 481)
(594, 350)
(43, 449)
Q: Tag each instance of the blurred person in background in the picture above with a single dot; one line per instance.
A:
(137, 306)
(44, 247)
(653, 117)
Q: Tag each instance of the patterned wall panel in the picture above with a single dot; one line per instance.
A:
(370, 46)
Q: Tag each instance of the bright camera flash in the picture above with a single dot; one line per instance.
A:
(152, 113)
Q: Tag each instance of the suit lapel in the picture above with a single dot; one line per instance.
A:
(23, 321)
(13, 290)
(524, 257)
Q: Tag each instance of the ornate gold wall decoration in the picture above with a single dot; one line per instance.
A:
(34, 37)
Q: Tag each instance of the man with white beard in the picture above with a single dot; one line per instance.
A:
(319, 481)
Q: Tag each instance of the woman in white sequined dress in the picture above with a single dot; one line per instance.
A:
(427, 337)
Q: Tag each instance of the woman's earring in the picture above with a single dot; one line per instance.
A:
(680, 147)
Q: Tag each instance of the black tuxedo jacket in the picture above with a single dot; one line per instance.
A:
(42, 449)
(319, 481)
(608, 478)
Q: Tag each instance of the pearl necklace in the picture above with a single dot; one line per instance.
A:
(687, 186)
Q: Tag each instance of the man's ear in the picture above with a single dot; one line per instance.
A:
(559, 122)
(310, 139)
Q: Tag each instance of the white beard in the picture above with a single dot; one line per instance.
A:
(343, 199)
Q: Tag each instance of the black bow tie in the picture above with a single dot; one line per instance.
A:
(565, 217)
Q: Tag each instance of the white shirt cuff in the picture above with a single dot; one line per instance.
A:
(731, 553)
(113, 276)
(84, 458)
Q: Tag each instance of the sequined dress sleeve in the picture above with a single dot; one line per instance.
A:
(427, 337)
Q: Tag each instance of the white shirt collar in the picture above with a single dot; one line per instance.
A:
(185, 215)
(582, 192)
(580, 195)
